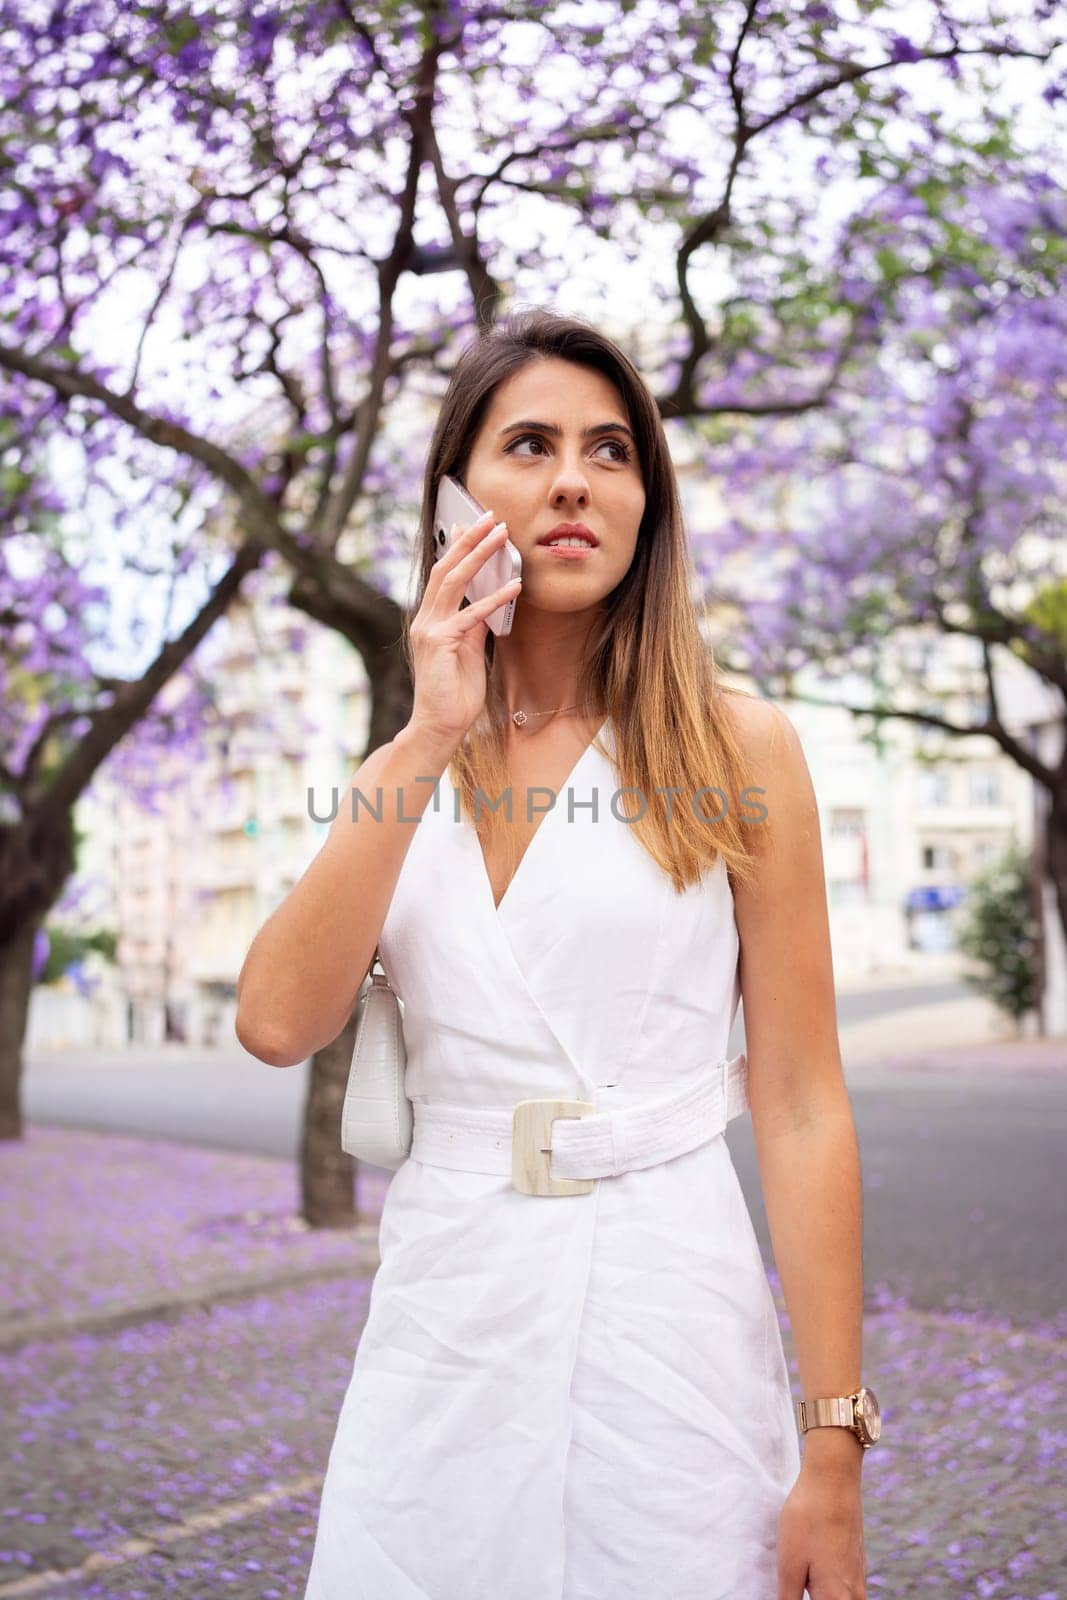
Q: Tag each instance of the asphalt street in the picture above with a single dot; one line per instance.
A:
(227, 1098)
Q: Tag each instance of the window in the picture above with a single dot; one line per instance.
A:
(985, 787)
(933, 787)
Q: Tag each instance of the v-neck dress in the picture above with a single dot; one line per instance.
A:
(577, 1397)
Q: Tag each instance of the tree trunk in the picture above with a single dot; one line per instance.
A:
(1055, 849)
(327, 1173)
(16, 971)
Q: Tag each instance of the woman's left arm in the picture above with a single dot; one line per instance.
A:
(807, 1150)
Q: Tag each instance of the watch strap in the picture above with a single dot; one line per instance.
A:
(838, 1412)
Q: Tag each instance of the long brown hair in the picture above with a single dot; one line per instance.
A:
(646, 665)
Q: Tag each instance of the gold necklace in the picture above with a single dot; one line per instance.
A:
(519, 717)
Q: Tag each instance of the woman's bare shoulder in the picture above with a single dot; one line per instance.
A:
(757, 724)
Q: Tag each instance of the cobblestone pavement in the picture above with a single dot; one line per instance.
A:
(174, 1348)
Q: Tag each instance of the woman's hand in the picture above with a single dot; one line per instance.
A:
(447, 643)
(820, 1536)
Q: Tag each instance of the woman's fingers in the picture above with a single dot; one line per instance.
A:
(461, 546)
(450, 669)
(458, 575)
(479, 609)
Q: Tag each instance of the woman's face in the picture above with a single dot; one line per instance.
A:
(534, 478)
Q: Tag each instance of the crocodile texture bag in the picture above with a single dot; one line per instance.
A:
(376, 1118)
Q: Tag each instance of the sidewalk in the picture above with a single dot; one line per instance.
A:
(175, 1345)
(104, 1231)
(967, 1031)
(930, 1048)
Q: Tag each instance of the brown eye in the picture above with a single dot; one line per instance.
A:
(616, 444)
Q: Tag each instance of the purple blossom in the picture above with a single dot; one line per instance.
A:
(902, 49)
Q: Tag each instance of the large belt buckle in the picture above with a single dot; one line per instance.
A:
(531, 1146)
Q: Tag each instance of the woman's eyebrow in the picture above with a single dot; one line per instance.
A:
(557, 432)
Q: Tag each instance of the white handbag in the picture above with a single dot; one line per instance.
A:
(376, 1118)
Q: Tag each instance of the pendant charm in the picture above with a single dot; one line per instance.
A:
(518, 718)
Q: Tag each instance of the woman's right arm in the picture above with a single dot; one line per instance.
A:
(303, 971)
(305, 966)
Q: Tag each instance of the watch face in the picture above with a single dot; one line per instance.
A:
(870, 1416)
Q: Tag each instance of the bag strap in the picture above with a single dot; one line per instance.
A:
(369, 978)
(379, 980)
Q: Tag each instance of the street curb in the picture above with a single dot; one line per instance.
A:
(203, 1296)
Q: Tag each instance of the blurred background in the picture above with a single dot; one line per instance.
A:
(241, 248)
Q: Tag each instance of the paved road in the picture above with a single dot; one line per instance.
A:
(227, 1098)
(865, 1004)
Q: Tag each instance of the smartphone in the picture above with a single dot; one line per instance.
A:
(455, 504)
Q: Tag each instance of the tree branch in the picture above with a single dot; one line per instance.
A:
(992, 728)
(110, 724)
(340, 503)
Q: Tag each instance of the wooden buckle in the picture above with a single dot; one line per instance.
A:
(531, 1146)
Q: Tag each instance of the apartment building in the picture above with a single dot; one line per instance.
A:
(294, 696)
(904, 830)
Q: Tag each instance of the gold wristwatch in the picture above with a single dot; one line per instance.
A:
(859, 1412)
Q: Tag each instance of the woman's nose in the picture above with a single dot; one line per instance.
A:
(571, 475)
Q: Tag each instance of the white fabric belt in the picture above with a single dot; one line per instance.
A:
(597, 1145)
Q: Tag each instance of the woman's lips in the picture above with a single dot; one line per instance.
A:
(575, 552)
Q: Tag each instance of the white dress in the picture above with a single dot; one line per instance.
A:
(576, 1397)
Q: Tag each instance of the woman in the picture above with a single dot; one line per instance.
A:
(576, 1390)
